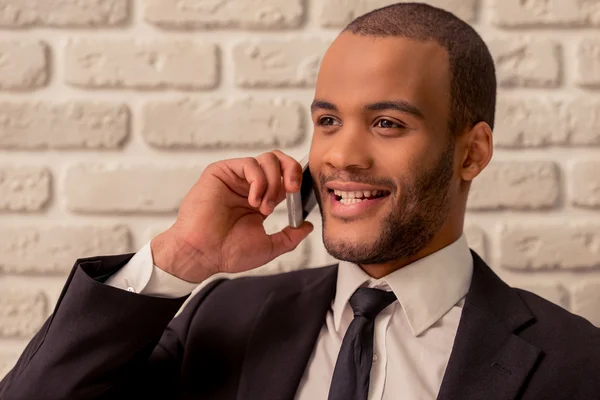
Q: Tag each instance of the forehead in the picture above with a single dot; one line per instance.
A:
(357, 70)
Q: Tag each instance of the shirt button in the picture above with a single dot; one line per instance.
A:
(374, 358)
(130, 289)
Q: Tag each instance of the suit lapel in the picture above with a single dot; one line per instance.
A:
(488, 359)
(284, 337)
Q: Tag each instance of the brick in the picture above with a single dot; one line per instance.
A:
(23, 65)
(70, 125)
(526, 62)
(554, 293)
(586, 298)
(22, 313)
(536, 121)
(584, 179)
(584, 121)
(543, 121)
(63, 13)
(23, 188)
(281, 63)
(530, 122)
(141, 188)
(252, 14)
(208, 124)
(54, 249)
(477, 240)
(530, 13)
(177, 64)
(568, 246)
(588, 62)
(338, 13)
(518, 185)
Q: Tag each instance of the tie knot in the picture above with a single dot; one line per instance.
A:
(369, 302)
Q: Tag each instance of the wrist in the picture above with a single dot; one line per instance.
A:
(178, 258)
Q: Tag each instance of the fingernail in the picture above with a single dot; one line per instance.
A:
(271, 204)
(295, 182)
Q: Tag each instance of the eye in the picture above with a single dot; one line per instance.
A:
(388, 124)
(327, 121)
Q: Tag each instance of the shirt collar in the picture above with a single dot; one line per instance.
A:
(426, 289)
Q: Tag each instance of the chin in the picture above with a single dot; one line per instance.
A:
(348, 243)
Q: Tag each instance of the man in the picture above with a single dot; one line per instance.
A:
(403, 116)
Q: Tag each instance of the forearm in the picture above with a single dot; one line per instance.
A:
(180, 259)
(96, 335)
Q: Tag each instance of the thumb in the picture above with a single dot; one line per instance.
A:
(288, 238)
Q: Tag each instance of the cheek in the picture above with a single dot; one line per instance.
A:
(399, 162)
(315, 159)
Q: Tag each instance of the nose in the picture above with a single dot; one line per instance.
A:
(348, 148)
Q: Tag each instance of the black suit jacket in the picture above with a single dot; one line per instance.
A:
(250, 339)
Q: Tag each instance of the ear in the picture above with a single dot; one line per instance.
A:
(478, 145)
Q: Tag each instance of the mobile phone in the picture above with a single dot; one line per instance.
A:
(301, 203)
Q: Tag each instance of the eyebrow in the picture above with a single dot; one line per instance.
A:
(397, 105)
(322, 105)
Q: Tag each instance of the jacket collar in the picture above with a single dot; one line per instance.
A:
(285, 334)
(489, 360)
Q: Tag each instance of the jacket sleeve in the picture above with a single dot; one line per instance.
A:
(103, 342)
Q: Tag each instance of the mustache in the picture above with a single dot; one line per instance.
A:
(348, 176)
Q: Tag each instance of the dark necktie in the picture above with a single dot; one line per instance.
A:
(353, 366)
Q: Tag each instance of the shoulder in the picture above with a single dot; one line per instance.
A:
(570, 345)
(250, 292)
(224, 311)
(560, 333)
(262, 285)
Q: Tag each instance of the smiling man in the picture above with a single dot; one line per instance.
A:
(403, 116)
(383, 122)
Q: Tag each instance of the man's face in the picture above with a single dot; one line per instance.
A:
(380, 117)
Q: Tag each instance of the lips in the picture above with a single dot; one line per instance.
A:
(352, 187)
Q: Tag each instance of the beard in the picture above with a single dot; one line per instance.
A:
(408, 228)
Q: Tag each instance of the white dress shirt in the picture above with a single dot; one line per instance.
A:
(413, 336)
(140, 275)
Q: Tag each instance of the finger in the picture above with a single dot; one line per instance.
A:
(292, 172)
(287, 239)
(251, 171)
(281, 196)
(272, 170)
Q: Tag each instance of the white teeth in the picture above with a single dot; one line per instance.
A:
(347, 201)
(361, 195)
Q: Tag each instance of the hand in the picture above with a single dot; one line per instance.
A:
(219, 227)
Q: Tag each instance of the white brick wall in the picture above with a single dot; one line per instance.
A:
(109, 109)
(23, 64)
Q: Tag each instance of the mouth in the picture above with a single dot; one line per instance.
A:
(353, 197)
(353, 204)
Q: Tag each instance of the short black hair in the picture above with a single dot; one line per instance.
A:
(472, 71)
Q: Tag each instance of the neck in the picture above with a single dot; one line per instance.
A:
(444, 237)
